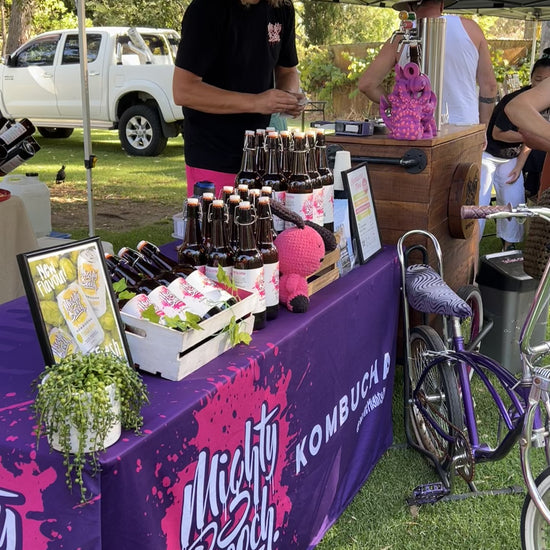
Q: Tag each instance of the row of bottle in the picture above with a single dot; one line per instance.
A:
(296, 167)
(238, 237)
(158, 281)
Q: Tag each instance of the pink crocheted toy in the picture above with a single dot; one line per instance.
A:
(301, 251)
(408, 112)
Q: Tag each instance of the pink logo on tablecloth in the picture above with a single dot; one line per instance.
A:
(233, 492)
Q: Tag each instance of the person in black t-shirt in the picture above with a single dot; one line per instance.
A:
(236, 65)
(504, 158)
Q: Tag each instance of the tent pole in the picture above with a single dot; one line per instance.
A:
(534, 43)
(83, 49)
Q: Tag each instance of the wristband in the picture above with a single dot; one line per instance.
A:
(487, 99)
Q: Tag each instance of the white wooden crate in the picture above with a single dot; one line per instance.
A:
(174, 354)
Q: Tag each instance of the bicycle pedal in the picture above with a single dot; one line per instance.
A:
(428, 493)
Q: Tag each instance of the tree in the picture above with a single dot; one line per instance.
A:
(20, 27)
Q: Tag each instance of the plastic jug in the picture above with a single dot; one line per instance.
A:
(36, 198)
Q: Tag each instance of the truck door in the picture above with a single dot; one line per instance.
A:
(31, 68)
(68, 79)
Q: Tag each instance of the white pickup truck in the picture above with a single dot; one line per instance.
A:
(129, 80)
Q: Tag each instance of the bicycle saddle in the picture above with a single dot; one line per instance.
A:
(427, 292)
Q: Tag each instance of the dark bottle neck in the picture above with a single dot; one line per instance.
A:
(154, 254)
(299, 166)
(193, 234)
(245, 222)
(218, 239)
(264, 230)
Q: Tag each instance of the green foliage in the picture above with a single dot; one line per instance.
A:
(503, 68)
(318, 73)
(72, 394)
(53, 15)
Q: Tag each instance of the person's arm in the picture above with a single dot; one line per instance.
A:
(190, 91)
(370, 82)
(485, 75)
(524, 111)
(508, 136)
(520, 163)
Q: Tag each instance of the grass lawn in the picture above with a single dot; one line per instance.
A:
(378, 518)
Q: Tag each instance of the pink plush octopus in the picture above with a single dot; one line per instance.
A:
(408, 112)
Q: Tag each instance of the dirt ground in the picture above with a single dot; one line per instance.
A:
(70, 211)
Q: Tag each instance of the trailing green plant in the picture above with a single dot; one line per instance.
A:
(503, 68)
(72, 396)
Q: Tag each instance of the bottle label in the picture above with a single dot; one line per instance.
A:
(328, 204)
(138, 304)
(253, 281)
(301, 204)
(12, 134)
(271, 280)
(91, 280)
(212, 272)
(168, 302)
(318, 206)
(278, 224)
(195, 300)
(212, 290)
(80, 318)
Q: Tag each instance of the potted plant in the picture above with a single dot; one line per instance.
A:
(81, 404)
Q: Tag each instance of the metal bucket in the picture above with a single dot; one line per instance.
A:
(432, 39)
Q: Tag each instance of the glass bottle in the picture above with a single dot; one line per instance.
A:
(18, 154)
(247, 173)
(227, 191)
(299, 195)
(260, 152)
(191, 251)
(270, 257)
(207, 199)
(219, 253)
(242, 190)
(285, 159)
(248, 267)
(315, 176)
(15, 134)
(274, 177)
(327, 179)
(232, 228)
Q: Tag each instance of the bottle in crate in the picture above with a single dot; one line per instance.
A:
(327, 179)
(247, 174)
(299, 195)
(260, 159)
(274, 178)
(18, 154)
(248, 267)
(219, 253)
(270, 257)
(315, 176)
(191, 251)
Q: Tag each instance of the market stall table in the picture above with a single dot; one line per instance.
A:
(16, 236)
(265, 446)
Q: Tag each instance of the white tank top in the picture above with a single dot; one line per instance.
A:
(460, 95)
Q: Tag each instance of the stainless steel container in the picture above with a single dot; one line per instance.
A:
(432, 39)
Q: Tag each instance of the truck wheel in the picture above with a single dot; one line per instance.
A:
(58, 133)
(140, 131)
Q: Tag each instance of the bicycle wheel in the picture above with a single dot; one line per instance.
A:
(439, 390)
(535, 532)
(471, 326)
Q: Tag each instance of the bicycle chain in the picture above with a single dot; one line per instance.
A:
(465, 467)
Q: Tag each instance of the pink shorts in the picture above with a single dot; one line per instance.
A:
(219, 179)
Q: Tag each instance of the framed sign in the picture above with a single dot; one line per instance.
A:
(364, 225)
(72, 301)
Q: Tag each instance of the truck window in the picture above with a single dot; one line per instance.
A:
(71, 51)
(39, 52)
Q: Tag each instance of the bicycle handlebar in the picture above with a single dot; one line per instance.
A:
(476, 212)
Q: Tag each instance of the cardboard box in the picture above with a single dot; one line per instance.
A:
(174, 354)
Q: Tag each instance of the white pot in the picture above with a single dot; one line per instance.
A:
(113, 434)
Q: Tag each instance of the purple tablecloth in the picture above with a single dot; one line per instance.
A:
(263, 447)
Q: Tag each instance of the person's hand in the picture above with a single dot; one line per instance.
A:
(513, 175)
(279, 101)
(302, 102)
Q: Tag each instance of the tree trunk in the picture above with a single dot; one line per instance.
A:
(20, 24)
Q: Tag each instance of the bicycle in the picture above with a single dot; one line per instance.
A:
(441, 420)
